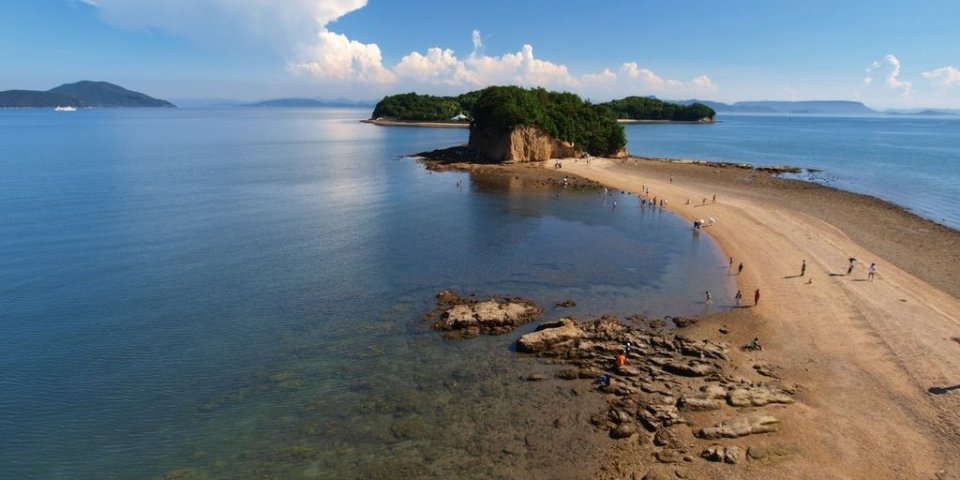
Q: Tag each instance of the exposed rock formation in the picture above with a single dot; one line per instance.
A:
(464, 318)
(524, 143)
(741, 427)
(660, 388)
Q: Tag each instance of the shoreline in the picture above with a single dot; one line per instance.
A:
(414, 123)
(385, 122)
(869, 352)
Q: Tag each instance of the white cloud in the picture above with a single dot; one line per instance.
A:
(948, 76)
(632, 79)
(442, 67)
(520, 68)
(606, 77)
(299, 32)
(477, 42)
(888, 70)
(289, 28)
(336, 57)
(437, 67)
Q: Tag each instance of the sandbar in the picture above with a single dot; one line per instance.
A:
(876, 358)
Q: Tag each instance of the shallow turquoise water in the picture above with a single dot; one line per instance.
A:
(239, 292)
(912, 161)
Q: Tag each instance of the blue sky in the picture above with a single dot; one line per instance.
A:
(884, 53)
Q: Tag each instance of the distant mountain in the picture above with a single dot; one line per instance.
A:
(80, 94)
(309, 102)
(800, 107)
(924, 112)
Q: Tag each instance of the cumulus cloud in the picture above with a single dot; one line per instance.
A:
(605, 77)
(887, 70)
(299, 31)
(290, 28)
(336, 57)
(632, 79)
(442, 67)
(438, 67)
(948, 76)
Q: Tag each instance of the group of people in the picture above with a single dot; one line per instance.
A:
(737, 298)
(871, 270)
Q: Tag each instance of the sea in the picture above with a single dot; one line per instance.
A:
(910, 160)
(239, 293)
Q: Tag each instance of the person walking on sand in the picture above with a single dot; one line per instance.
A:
(872, 271)
(756, 297)
(803, 267)
(739, 298)
(740, 269)
(853, 261)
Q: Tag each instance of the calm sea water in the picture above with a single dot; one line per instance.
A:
(239, 293)
(912, 161)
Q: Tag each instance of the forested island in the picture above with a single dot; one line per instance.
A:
(80, 94)
(512, 124)
(430, 108)
(648, 108)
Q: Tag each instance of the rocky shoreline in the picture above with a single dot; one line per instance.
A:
(672, 400)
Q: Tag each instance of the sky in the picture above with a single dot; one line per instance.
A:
(887, 54)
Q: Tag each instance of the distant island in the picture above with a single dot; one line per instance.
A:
(80, 94)
(412, 107)
(835, 107)
(308, 103)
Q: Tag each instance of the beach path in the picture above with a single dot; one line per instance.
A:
(876, 358)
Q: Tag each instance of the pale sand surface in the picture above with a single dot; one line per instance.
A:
(866, 352)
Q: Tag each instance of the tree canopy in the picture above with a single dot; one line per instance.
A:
(648, 108)
(563, 115)
(412, 106)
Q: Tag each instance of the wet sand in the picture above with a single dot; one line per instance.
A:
(872, 356)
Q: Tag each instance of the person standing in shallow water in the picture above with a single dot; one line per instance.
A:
(756, 297)
(739, 297)
(709, 298)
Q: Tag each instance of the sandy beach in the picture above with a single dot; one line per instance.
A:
(876, 358)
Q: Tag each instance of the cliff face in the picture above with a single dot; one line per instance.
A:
(522, 144)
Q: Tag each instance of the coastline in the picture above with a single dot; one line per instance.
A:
(412, 123)
(383, 122)
(869, 353)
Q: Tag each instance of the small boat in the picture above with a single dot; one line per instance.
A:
(65, 109)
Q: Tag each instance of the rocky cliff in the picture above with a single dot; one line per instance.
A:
(523, 143)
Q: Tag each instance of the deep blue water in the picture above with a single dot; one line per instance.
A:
(239, 291)
(912, 161)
